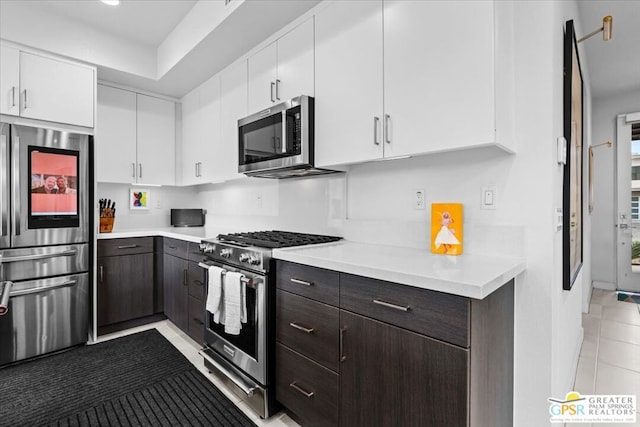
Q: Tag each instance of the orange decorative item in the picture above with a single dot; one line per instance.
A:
(446, 228)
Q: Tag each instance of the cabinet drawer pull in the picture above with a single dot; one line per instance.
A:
(297, 388)
(13, 96)
(387, 129)
(173, 247)
(24, 104)
(273, 86)
(376, 125)
(342, 356)
(127, 246)
(394, 306)
(101, 274)
(198, 283)
(185, 277)
(301, 328)
(301, 282)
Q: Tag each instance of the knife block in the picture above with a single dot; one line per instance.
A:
(106, 224)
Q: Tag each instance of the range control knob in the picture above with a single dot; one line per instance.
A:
(244, 258)
(254, 260)
(207, 248)
(225, 253)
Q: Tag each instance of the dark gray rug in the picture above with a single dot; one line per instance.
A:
(137, 380)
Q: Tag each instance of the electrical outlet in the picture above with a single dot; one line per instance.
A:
(418, 199)
(158, 204)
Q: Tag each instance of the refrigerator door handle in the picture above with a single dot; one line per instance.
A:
(40, 289)
(4, 208)
(19, 258)
(15, 211)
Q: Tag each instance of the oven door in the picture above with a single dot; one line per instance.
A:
(247, 351)
(49, 187)
(276, 138)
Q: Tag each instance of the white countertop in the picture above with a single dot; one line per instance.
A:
(469, 275)
(191, 234)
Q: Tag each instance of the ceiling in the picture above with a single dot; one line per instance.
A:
(612, 67)
(146, 22)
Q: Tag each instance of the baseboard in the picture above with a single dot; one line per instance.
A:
(608, 286)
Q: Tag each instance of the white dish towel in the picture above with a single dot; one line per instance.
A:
(234, 302)
(214, 292)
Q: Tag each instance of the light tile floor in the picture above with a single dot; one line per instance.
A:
(610, 355)
(189, 349)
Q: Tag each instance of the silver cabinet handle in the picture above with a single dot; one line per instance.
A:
(13, 96)
(278, 90)
(300, 328)
(127, 246)
(273, 85)
(34, 257)
(101, 274)
(139, 170)
(185, 278)
(376, 126)
(300, 390)
(387, 129)
(301, 282)
(394, 306)
(24, 104)
(133, 170)
(342, 356)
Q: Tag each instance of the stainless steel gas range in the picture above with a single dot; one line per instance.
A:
(246, 359)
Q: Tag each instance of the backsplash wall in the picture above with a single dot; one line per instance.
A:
(372, 202)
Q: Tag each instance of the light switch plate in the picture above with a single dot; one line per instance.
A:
(558, 219)
(489, 198)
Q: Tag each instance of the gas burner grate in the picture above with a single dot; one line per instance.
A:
(276, 238)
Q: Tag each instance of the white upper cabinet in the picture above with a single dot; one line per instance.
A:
(349, 83)
(233, 107)
(156, 134)
(201, 132)
(433, 90)
(135, 138)
(282, 70)
(115, 140)
(9, 80)
(46, 88)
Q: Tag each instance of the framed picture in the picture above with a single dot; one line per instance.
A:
(572, 180)
(139, 198)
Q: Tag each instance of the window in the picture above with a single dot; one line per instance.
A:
(635, 207)
(635, 173)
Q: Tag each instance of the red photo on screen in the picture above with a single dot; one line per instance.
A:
(54, 179)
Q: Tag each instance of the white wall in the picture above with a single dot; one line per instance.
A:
(603, 248)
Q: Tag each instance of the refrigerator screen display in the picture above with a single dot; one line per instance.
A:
(53, 186)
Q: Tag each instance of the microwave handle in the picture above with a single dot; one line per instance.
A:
(284, 131)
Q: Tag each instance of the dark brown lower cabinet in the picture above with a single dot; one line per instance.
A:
(390, 354)
(126, 285)
(176, 283)
(393, 377)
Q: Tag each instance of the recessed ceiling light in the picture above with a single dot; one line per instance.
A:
(111, 2)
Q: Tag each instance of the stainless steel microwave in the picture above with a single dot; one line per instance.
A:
(279, 142)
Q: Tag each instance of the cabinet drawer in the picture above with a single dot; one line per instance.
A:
(311, 282)
(308, 327)
(306, 388)
(195, 327)
(128, 246)
(435, 314)
(193, 252)
(197, 277)
(175, 247)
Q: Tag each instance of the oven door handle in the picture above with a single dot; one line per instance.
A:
(19, 258)
(246, 280)
(248, 390)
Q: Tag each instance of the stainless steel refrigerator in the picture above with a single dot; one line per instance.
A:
(44, 240)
